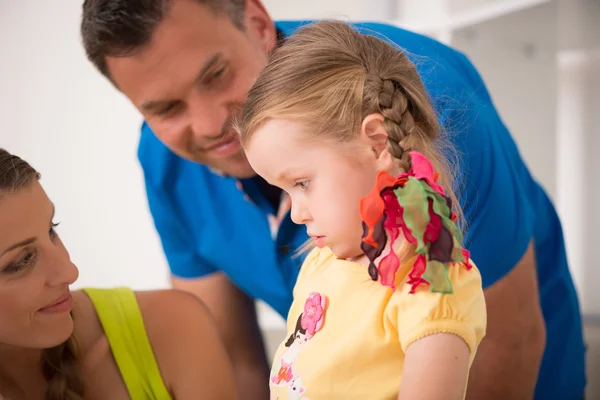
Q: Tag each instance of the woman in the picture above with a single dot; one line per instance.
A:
(101, 344)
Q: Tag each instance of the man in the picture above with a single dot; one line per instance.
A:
(187, 65)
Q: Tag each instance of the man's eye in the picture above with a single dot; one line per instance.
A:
(217, 76)
(166, 109)
(218, 73)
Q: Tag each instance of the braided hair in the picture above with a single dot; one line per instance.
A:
(59, 365)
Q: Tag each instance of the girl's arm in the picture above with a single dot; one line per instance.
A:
(436, 367)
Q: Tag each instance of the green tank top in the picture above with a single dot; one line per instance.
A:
(123, 325)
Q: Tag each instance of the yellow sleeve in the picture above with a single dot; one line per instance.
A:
(423, 313)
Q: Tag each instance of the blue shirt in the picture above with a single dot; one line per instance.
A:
(206, 224)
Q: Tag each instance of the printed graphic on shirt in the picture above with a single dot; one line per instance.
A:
(285, 376)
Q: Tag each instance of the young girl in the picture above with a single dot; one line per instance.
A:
(388, 305)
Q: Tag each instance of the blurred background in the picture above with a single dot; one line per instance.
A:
(539, 58)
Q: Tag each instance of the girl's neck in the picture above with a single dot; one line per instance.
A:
(362, 258)
(21, 372)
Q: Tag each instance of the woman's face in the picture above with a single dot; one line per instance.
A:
(35, 272)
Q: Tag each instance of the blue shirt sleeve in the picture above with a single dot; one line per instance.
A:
(176, 238)
(493, 182)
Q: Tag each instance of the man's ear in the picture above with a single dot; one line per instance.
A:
(373, 133)
(259, 23)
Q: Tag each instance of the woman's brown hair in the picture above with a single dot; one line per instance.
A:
(329, 77)
(59, 364)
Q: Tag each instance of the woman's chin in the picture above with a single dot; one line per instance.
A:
(55, 334)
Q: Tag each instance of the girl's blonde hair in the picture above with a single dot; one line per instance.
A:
(329, 77)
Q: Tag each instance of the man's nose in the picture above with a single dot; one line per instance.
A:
(208, 119)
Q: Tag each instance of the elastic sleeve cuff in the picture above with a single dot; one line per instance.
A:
(441, 326)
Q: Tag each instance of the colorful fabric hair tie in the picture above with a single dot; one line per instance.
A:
(415, 204)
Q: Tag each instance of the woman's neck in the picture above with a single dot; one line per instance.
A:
(21, 372)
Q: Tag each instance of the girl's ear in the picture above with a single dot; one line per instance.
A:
(373, 134)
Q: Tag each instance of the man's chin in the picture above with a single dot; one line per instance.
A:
(237, 167)
(241, 173)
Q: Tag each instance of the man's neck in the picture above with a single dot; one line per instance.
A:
(271, 193)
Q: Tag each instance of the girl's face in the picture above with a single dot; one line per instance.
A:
(35, 273)
(325, 179)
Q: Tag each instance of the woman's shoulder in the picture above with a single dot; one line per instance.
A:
(162, 312)
(181, 331)
(186, 343)
(98, 367)
(169, 317)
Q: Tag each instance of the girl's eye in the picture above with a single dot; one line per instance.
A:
(303, 184)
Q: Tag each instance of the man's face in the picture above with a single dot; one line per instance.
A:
(193, 77)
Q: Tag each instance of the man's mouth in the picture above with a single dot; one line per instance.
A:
(226, 146)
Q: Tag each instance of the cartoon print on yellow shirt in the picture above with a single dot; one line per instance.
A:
(309, 322)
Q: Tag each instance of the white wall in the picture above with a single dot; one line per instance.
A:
(343, 9)
(64, 118)
(518, 66)
(578, 146)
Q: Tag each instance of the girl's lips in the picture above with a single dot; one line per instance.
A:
(320, 241)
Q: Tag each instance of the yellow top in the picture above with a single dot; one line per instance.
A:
(362, 328)
(123, 325)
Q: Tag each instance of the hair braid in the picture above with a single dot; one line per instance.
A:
(388, 97)
(59, 365)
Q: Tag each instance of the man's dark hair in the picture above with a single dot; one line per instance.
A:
(120, 28)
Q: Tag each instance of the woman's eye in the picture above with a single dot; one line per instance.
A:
(25, 262)
(52, 231)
